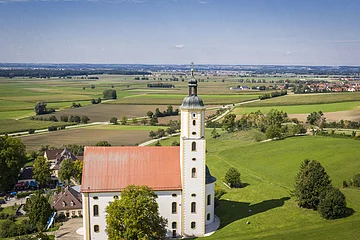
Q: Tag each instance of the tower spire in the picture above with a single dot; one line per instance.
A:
(192, 84)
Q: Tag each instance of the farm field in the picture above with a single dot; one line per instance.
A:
(269, 169)
(300, 109)
(306, 99)
(116, 135)
(176, 99)
(12, 126)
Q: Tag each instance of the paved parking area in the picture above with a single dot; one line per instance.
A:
(68, 230)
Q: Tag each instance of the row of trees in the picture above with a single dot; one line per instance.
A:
(168, 112)
(275, 124)
(160, 85)
(273, 94)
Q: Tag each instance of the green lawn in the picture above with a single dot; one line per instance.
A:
(297, 109)
(269, 169)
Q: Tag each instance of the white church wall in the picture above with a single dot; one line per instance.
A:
(210, 208)
(164, 200)
(194, 185)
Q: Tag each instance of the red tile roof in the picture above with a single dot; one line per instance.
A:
(108, 169)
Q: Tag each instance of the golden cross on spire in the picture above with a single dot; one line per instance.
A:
(192, 68)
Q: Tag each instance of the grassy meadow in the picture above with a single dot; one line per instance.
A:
(268, 170)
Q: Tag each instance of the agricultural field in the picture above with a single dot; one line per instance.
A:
(19, 95)
(116, 135)
(268, 170)
(302, 109)
(307, 99)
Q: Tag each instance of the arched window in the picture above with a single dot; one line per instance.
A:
(209, 199)
(173, 225)
(193, 207)
(193, 225)
(193, 146)
(96, 210)
(208, 217)
(173, 207)
(193, 172)
(96, 228)
(194, 122)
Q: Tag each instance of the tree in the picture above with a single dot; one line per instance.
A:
(114, 120)
(143, 121)
(273, 131)
(42, 171)
(316, 118)
(158, 113)
(109, 94)
(78, 166)
(135, 215)
(154, 120)
(64, 118)
(175, 143)
(40, 108)
(232, 177)
(310, 182)
(355, 181)
(85, 119)
(333, 204)
(228, 122)
(12, 158)
(66, 170)
(103, 143)
(150, 114)
(214, 133)
(39, 210)
(169, 110)
(158, 144)
(123, 120)
(134, 121)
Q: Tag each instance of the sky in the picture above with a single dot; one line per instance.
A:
(252, 32)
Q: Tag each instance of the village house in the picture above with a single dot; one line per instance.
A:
(68, 202)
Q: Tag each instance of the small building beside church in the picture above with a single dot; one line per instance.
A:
(177, 174)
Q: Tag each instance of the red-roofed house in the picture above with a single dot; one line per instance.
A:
(178, 175)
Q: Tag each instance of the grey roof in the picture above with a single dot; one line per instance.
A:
(192, 102)
(209, 177)
(26, 173)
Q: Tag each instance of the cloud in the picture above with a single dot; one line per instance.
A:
(179, 46)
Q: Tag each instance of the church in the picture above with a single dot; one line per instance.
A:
(177, 174)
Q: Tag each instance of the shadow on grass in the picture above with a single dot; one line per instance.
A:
(230, 211)
(348, 213)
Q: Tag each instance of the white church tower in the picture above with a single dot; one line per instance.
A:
(198, 191)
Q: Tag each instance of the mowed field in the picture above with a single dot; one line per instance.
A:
(116, 135)
(269, 169)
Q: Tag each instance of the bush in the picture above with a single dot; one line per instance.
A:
(333, 204)
(114, 120)
(4, 215)
(110, 94)
(356, 180)
(23, 194)
(52, 128)
(31, 131)
(232, 177)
